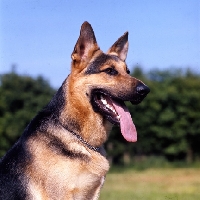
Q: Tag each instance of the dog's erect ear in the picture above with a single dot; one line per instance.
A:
(86, 44)
(120, 47)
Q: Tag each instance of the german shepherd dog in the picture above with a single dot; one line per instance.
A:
(60, 154)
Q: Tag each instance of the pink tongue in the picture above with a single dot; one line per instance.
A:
(127, 127)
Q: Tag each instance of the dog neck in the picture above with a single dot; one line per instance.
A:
(99, 150)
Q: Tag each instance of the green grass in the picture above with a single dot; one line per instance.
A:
(153, 184)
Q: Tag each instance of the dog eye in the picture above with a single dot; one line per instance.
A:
(110, 71)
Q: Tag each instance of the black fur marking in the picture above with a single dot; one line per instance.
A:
(94, 67)
(62, 149)
(97, 149)
(58, 101)
(12, 179)
(111, 71)
(127, 70)
(71, 124)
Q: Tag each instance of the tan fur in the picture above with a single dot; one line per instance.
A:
(55, 177)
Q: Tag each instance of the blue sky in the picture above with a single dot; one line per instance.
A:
(38, 36)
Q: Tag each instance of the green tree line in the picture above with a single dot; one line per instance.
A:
(167, 121)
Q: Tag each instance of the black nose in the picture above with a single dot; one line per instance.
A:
(142, 89)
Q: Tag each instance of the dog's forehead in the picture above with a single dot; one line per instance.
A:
(99, 61)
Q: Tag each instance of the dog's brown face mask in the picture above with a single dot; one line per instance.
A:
(107, 80)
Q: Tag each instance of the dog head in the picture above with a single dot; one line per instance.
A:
(102, 80)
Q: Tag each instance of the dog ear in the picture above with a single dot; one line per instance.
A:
(120, 47)
(86, 44)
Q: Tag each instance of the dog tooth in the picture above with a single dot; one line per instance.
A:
(118, 117)
(107, 105)
(104, 101)
(110, 107)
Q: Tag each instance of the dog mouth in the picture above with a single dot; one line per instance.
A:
(115, 111)
(104, 104)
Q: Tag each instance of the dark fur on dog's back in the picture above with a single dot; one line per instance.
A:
(12, 177)
(12, 166)
(60, 155)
